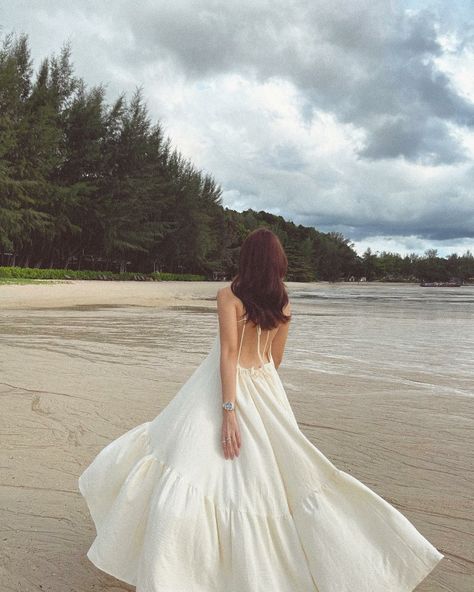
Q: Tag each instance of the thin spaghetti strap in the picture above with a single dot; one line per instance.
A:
(259, 330)
(266, 341)
(241, 340)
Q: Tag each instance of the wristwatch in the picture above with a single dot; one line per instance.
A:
(228, 405)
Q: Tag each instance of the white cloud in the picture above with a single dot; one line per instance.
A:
(412, 244)
(357, 119)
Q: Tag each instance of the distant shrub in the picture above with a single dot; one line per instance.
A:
(187, 277)
(70, 274)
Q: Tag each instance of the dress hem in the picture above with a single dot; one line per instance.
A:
(145, 453)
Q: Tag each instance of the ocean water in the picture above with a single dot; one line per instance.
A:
(401, 333)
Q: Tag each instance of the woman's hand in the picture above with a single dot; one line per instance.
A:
(230, 434)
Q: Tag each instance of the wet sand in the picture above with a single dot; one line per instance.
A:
(66, 293)
(82, 362)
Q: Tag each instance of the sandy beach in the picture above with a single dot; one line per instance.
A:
(84, 361)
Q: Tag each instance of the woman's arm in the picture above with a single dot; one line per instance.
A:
(228, 332)
(229, 347)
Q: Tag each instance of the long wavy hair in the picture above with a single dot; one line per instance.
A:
(259, 282)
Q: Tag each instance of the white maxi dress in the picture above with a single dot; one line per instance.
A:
(173, 515)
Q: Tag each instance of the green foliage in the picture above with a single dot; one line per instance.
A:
(10, 281)
(186, 277)
(12, 273)
(87, 184)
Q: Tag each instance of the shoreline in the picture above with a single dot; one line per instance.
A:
(160, 294)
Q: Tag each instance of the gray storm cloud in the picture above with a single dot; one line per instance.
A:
(362, 61)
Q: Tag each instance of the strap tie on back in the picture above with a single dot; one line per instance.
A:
(259, 332)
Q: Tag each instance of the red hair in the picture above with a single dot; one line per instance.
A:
(259, 281)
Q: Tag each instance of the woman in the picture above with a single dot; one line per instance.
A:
(257, 296)
(221, 492)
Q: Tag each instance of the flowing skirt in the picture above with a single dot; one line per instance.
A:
(173, 515)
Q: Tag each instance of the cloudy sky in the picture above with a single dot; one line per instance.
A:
(354, 116)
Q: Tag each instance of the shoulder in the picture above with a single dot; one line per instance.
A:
(228, 302)
(224, 294)
(226, 298)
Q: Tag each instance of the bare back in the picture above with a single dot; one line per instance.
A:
(257, 349)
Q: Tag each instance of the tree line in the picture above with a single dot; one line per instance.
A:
(89, 185)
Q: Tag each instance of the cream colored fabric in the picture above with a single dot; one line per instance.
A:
(173, 515)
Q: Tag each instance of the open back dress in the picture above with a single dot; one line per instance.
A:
(173, 515)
